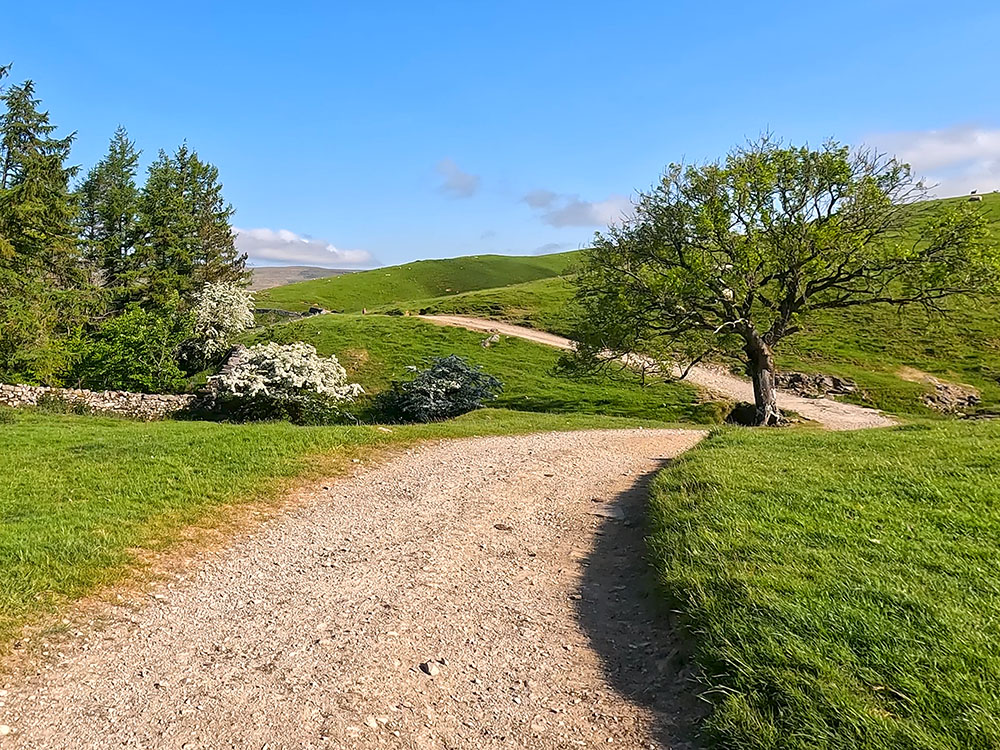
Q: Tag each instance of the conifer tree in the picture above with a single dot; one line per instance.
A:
(42, 287)
(109, 213)
(186, 235)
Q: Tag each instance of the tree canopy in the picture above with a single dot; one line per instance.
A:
(724, 258)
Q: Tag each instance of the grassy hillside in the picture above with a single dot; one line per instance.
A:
(870, 345)
(841, 588)
(537, 304)
(418, 280)
(377, 349)
(81, 497)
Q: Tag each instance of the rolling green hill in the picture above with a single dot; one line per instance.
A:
(418, 280)
(873, 346)
(377, 349)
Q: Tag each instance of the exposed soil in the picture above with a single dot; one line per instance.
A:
(834, 415)
(484, 593)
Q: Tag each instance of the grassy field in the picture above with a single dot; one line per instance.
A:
(842, 588)
(81, 497)
(377, 349)
(418, 280)
(872, 346)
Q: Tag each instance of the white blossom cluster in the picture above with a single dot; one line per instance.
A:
(220, 312)
(286, 371)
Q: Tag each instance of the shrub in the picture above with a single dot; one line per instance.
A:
(449, 387)
(283, 381)
(220, 312)
(137, 351)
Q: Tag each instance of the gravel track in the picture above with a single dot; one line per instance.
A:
(834, 415)
(481, 593)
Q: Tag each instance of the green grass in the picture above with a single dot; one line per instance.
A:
(79, 496)
(868, 345)
(418, 280)
(539, 304)
(842, 588)
(376, 349)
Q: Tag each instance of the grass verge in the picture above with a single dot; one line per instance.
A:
(82, 498)
(842, 587)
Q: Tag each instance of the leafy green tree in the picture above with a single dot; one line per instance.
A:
(726, 258)
(109, 213)
(138, 350)
(43, 292)
(186, 238)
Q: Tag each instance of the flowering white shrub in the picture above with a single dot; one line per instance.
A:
(286, 372)
(220, 312)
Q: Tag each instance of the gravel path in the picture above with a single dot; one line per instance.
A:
(834, 415)
(484, 593)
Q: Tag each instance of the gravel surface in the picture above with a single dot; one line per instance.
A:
(483, 593)
(834, 415)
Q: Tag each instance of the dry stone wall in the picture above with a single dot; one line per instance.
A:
(145, 406)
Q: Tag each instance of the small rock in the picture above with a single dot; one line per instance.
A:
(372, 722)
(4, 729)
(430, 668)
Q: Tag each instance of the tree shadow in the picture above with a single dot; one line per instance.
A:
(644, 652)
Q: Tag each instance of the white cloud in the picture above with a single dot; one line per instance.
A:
(563, 210)
(270, 247)
(954, 160)
(456, 183)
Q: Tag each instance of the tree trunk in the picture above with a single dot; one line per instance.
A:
(760, 367)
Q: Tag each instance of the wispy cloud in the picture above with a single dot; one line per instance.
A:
(564, 210)
(274, 247)
(457, 183)
(953, 160)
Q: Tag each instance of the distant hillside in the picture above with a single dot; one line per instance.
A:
(265, 277)
(421, 279)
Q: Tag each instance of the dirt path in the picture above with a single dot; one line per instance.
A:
(834, 415)
(509, 567)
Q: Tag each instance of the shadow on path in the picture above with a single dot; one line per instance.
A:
(645, 655)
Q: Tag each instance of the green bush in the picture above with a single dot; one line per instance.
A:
(137, 351)
(449, 387)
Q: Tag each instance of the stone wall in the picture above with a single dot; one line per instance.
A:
(121, 403)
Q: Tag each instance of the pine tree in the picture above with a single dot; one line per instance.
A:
(109, 213)
(186, 236)
(42, 287)
(37, 236)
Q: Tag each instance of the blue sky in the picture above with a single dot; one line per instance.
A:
(380, 132)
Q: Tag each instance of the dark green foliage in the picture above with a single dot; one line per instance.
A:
(43, 300)
(841, 588)
(185, 234)
(137, 351)
(449, 387)
(109, 215)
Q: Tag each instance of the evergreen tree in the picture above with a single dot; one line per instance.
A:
(109, 212)
(42, 287)
(186, 235)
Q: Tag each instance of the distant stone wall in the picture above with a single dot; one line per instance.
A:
(145, 406)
